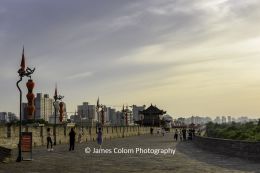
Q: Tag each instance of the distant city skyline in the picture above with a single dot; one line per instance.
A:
(187, 57)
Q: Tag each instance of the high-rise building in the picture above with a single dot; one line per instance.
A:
(3, 117)
(87, 112)
(242, 119)
(11, 117)
(43, 106)
(119, 118)
(106, 114)
(180, 121)
(136, 115)
(6, 117)
(229, 119)
(224, 119)
(112, 116)
(193, 120)
(217, 120)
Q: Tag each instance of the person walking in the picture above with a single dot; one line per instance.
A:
(80, 136)
(99, 137)
(151, 131)
(158, 131)
(176, 135)
(49, 141)
(181, 136)
(184, 133)
(163, 131)
(72, 135)
(190, 134)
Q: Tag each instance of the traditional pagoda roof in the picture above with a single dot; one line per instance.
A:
(152, 110)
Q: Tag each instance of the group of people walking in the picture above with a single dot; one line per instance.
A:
(184, 134)
(72, 136)
(181, 134)
(178, 134)
(159, 131)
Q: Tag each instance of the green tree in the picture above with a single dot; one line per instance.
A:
(237, 131)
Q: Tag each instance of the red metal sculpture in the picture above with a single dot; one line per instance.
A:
(30, 97)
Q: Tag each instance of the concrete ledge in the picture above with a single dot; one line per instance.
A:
(235, 148)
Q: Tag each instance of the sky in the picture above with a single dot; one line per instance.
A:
(186, 57)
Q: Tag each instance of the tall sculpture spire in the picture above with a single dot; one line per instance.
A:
(23, 62)
(56, 92)
(98, 102)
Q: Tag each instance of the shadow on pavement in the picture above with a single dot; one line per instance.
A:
(190, 150)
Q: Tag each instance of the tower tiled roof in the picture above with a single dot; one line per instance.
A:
(152, 110)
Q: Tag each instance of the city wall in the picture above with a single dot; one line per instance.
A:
(9, 135)
(242, 149)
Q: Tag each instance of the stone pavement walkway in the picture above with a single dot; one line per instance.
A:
(187, 158)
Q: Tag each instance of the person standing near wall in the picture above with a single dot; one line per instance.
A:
(184, 133)
(176, 135)
(190, 134)
(181, 135)
(49, 141)
(99, 137)
(163, 131)
(80, 136)
(72, 139)
(151, 131)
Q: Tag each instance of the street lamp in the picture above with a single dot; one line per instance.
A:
(56, 98)
(22, 73)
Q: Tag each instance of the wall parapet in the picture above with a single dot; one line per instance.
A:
(242, 149)
(9, 135)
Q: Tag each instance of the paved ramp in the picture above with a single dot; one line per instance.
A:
(187, 158)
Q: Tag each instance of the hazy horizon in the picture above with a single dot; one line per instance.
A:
(187, 57)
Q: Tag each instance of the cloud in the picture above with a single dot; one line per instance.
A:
(128, 47)
(80, 75)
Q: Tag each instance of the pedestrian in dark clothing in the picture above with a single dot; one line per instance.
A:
(163, 131)
(176, 135)
(190, 134)
(193, 132)
(49, 141)
(151, 130)
(72, 139)
(199, 132)
(184, 134)
(99, 137)
(181, 136)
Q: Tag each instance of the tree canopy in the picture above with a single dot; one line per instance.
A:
(237, 131)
